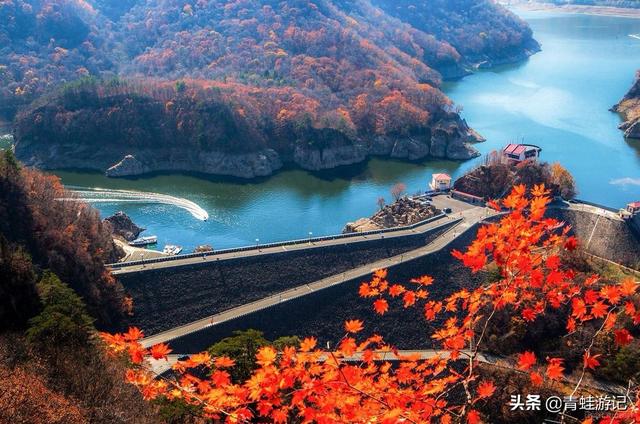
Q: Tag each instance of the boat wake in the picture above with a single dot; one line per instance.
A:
(636, 36)
(101, 195)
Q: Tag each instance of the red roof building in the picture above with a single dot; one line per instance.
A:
(521, 152)
(633, 208)
(440, 182)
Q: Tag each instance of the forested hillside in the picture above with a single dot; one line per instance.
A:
(341, 71)
(53, 288)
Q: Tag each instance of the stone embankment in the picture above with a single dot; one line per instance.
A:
(169, 297)
(321, 313)
(603, 235)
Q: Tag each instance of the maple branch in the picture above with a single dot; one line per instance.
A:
(362, 392)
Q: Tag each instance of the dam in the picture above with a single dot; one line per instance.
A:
(311, 289)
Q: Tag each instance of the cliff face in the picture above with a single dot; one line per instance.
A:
(629, 108)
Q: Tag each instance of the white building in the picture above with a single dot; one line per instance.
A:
(633, 208)
(521, 152)
(440, 182)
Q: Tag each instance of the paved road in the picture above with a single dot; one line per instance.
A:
(440, 202)
(159, 367)
(464, 221)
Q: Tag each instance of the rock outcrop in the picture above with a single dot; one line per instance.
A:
(629, 108)
(448, 138)
(406, 211)
(121, 225)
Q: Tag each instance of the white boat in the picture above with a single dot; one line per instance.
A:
(143, 241)
(171, 249)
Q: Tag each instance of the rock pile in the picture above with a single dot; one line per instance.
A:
(406, 211)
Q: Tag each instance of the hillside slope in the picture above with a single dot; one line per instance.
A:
(320, 84)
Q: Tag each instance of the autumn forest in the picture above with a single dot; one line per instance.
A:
(494, 280)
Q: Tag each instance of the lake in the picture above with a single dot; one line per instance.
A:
(559, 100)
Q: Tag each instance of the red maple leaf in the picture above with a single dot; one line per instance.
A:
(380, 306)
(526, 360)
(591, 361)
(623, 337)
(160, 351)
(486, 389)
(555, 369)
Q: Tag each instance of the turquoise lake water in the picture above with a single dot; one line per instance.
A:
(559, 99)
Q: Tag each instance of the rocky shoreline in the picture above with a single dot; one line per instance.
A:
(526, 5)
(629, 108)
(449, 138)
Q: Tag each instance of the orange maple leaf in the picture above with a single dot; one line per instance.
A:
(486, 389)
(380, 273)
(610, 293)
(425, 280)
(353, 326)
(396, 290)
(571, 243)
(536, 379)
(160, 351)
(628, 287)
(409, 299)
(133, 334)
(623, 337)
(308, 344)
(224, 362)
(473, 417)
(266, 356)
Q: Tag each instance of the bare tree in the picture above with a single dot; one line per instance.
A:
(381, 202)
(398, 190)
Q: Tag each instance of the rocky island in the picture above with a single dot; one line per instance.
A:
(629, 108)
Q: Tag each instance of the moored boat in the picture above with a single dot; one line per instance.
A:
(144, 241)
(171, 249)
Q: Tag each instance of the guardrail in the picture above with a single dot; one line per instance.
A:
(597, 205)
(120, 265)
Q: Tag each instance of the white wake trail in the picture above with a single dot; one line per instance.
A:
(102, 195)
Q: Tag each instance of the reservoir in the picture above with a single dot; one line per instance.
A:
(559, 99)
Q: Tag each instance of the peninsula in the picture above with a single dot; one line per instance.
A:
(324, 85)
